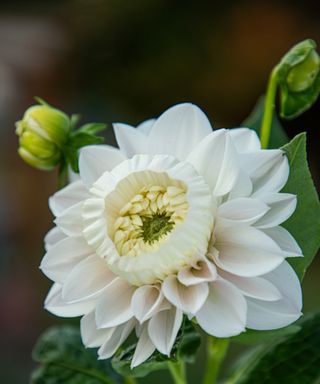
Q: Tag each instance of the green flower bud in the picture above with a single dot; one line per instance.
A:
(302, 76)
(42, 133)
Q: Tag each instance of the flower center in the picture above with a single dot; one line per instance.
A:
(148, 218)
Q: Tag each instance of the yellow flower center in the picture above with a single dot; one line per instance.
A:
(148, 218)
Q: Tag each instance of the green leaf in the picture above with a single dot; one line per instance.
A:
(304, 224)
(185, 348)
(299, 79)
(65, 360)
(93, 128)
(278, 135)
(74, 120)
(293, 359)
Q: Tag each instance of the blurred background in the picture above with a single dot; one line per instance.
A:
(126, 61)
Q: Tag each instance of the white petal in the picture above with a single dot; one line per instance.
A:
(282, 206)
(204, 271)
(243, 210)
(242, 187)
(52, 237)
(285, 241)
(147, 300)
(114, 306)
(224, 312)
(245, 140)
(63, 256)
(255, 287)
(91, 336)
(178, 130)
(189, 299)
(87, 279)
(94, 160)
(245, 251)
(68, 196)
(70, 221)
(144, 348)
(145, 126)
(56, 305)
(215, 159)
(119, 335)
(132, 141)
(277, 314)
(163, 329)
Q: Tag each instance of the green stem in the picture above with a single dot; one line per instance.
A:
(178, 372)
(268, 108)
(216, 351)
(130, 380)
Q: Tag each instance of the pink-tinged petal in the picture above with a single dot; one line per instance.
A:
(144, 348)
(87, 279)
(204, 271)
(285, 240)
(187, 298)
(215, 158)
(52, 237)
(282, 206)
(70, 221)
(255, 287)
(61, 258)
(245, 139)
(147, 300)
(272, 315)
(119, 335)
(92, 337)
(132, 141)
(163, 329)
(243, 210)
(70, 195)
(178, 130)
(224, 312)
(55, 304)
(114, 306)
(94, 160)
(245, 251)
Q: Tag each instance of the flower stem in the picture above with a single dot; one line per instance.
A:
(130, 380)
(178, 372)
(216, 351)
(268, 108)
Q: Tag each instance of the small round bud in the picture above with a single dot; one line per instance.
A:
(302, 75)
(42, 133)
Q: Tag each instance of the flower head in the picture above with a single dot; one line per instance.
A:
(181, 220)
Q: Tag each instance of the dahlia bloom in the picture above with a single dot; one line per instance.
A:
(181, 220)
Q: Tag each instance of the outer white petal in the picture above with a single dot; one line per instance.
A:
(255, 287)
(144, 348)
(131, 140)
(204, 271)
(178, 130)
(87, 279)
(94, 160)
(282, 206)
(224, 312)
(187, 298)
(119, 335)
(243, 210)
(91, 336)
(215, 158)
(52, 237)
(63, 256)
(285, 241)
(70, 221)
(163, 329)
(114, 306)
(68, 196)
(146, 126)
(56, 305)
(245, 251)
(147, 300)
(277, 314)
(242, 187)
(245, 139)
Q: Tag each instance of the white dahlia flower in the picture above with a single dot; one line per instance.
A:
(181, 220)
